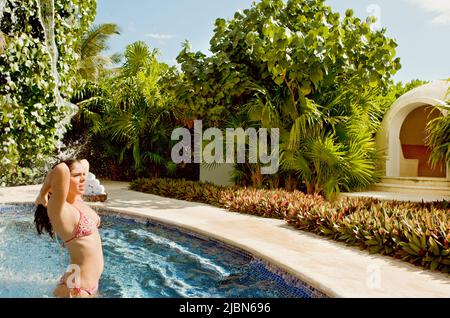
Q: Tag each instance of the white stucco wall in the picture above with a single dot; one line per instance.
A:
(388, 137)
(219, 174)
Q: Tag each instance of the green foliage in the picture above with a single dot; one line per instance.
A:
(92, 64)
(93, 70)
(399, 89)
(142, 120)
(131, 112)
(183, 190)
(297, 66)
(29, 116)
(414, 232)
(438, 132)
(211, 88)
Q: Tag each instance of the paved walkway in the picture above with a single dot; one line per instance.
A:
(333, 267)
(398, 196)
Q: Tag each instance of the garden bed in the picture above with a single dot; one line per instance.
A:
(418, 233)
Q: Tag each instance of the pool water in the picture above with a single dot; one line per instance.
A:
(142, 260)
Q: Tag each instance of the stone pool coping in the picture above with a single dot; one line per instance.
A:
(332, 267)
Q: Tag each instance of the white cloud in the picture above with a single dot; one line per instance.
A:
(160, 36)
(441, 9)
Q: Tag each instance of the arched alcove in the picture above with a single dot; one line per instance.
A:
(414, 161)
(401, 137)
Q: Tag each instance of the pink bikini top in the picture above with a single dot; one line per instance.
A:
(85, 227)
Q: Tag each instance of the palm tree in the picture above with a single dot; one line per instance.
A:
(328, 147)
(140, 115)
(92, 64)
(88, 89)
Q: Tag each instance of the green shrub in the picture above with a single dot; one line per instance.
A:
(29, 116)
(415, 232)
(182, 190)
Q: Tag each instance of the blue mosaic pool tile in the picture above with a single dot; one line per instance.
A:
(291, 284)
(17, 207)
(260, 268)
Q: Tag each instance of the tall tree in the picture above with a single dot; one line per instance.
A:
(298, 66)
(92, 63)
(138, 110)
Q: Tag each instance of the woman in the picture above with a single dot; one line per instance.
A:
(65, 213)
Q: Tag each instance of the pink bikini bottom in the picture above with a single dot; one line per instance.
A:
(76, 290)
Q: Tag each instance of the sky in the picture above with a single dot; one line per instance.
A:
(421, 28)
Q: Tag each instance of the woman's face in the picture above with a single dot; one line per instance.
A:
(77, 179)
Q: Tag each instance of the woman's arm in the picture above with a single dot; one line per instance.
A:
(59, 181)
(49, 183)
(42, 197)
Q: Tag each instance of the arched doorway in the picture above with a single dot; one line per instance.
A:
(401, 136)
(414, 161)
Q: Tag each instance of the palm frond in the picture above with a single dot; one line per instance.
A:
(438, 138)
(94, 41)
(153, 157)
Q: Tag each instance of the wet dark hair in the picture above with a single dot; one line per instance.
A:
(41, 219)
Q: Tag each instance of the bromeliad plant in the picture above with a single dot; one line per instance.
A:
(182, 190)
(417, 233)
(273, 203)
(268, 203)
(414, 232)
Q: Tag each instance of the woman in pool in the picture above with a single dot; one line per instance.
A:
(65, 213)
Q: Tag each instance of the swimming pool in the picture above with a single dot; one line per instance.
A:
(143, 259)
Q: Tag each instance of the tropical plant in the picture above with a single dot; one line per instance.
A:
(414, 232)
(399, 89)
(92, 68)
(30, 116)
(297, 66)
(92, 64)
(438, 136)
(139, 115)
